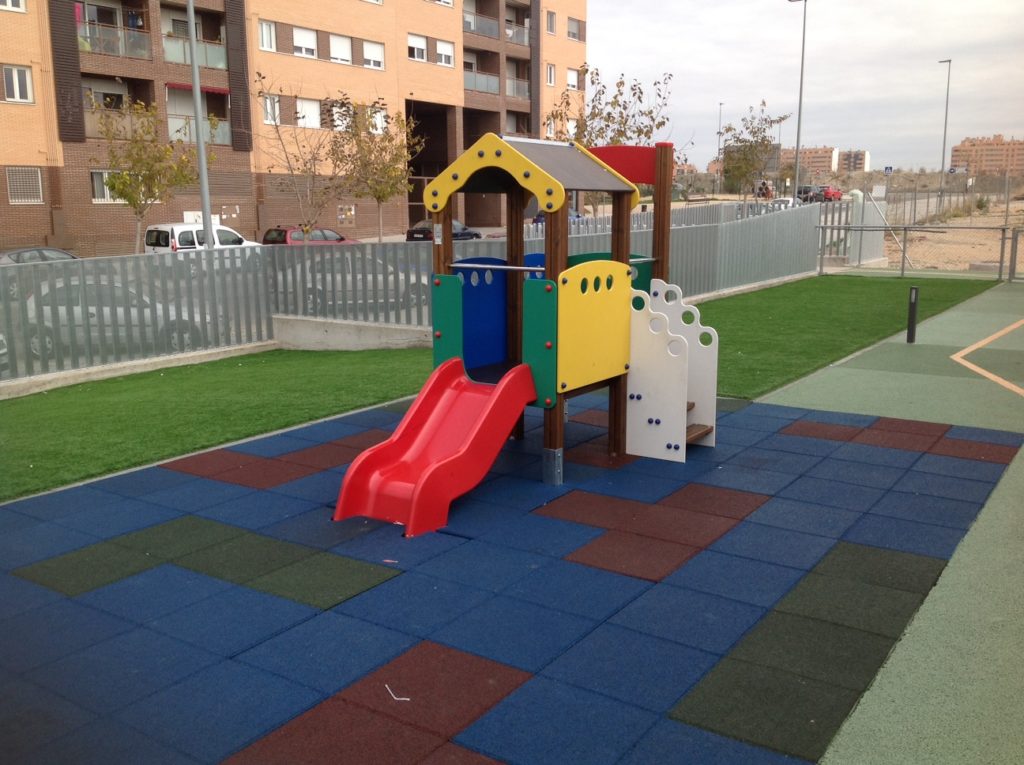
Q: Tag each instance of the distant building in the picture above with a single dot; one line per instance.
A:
(855, 161)
(813, 159)
(715, 167)
(989, 155)
(685, 168)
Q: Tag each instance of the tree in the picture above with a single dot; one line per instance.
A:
(747, 149)
(145, 168)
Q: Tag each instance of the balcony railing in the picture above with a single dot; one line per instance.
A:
(92, 122)
(483, 83)
(517, 34)
(179, 127)
(209, 54)
(481, 25)
(113, 41)
(517, 88)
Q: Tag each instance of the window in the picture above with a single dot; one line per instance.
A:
(304, 42)
(575, 29)
(570, 127)
(341, 49)
(307, 112)
(18, 84)
(444, 2)
(378, 121)
(550, 23)
(100, 193)
(375, 2)
(373, 55)
(549, 129)
(271, 110)
(24, 186)
(268, 35)
(417, 47)
(341, 118)
(12, 5)
(551, 74)
(445, 53)
(572, 79)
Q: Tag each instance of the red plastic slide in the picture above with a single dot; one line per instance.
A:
(443, 447)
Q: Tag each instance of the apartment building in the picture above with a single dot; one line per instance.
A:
(854, 161)
(821, 160)
(989, 155)
(459, 69)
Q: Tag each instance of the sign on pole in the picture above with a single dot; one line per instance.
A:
(888, 169)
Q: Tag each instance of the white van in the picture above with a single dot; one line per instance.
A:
(175, 237)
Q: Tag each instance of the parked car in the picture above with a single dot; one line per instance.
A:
(4, 359)
(295, 235)
(541, 215)
(810, 194)
(28, 255)
(830, 194)
(175, 237)
(424, 232)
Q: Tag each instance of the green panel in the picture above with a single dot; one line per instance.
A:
(447, 308)
(540, 327)
(642, 281)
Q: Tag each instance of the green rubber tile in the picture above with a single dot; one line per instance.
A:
(815, 649)
(245, 557)
(767, 707)
(182, 536)
(914, 358)
(1007, 363)
(885, 568)
(323, 580)
(859, 605)
(87, 569)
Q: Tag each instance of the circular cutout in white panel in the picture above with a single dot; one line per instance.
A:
(676, 348)
(658, 324)
(671, 296)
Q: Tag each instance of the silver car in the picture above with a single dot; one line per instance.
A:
(24, 256)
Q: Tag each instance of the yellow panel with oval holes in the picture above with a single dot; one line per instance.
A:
(593, 323)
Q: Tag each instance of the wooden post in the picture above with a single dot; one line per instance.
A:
(556, 247)
(443, 251)
(664, 172)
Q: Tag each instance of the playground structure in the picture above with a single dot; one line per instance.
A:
(546, 327)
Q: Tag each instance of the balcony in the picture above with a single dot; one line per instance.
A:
(517, 34)
(179, 128)
(93, 118)
(482, 83)
(481, 25)
(517, 88)
(113, 41)
(209, 54)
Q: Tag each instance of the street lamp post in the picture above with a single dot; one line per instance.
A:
(800, 102)
(945, 123)
(718, 156)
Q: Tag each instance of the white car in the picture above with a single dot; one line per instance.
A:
(175, 237)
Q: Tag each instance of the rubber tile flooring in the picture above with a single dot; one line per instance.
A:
(731, 609)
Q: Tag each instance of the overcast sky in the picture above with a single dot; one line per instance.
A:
(871, 80)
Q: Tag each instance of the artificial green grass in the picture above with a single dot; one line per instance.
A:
(774, 336)
(69, 434)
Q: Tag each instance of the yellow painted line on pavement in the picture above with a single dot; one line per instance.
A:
(958, 357)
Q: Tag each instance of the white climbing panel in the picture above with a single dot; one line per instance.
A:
(656, 385)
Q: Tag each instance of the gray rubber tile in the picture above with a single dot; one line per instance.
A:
(885, 568)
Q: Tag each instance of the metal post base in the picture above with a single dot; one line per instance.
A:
(551, 464)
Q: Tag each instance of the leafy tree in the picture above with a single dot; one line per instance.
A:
(145, 167)
(747, 149)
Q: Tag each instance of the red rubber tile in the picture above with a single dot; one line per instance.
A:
(596, 455)
(974, 450)
(439, 689)
(266, 474)
(322, 457)
(592, 509)
(339, 732)
(598, 417)
(729, 503)
(811, 429)
(916, 427)
(674, 524)
(892, 439)
(633, 555)
(209, 464)
(365, 440)
(453, 754)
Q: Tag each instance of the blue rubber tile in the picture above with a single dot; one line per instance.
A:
(256, 510)
(1001, 437)
(483, 565)
(372, 418)
(638, 486)
(759, 458)
(747, 479)
(780, 442)
(12, 521)
(37, 542)
(316, 528)
(105, 742)
(594, 400)
(950, 487)
(33, 638)
(471, 518)
(727, 434)
(577, 433)
(691, 470)
(574, 474)
(671, 741)
(219, 709)
(775, 410)
(639, 669)
(322, 432)
(144, 481)
(743, 579)
(747, 420)
(804, 516)
(860, 473)
(960, 468)
(232, 621)
(876, 455)
(516, 463)
(322, 488)
(273, 446)
(841, 418)
(125, 515)
(773, 545)
(577, 589)
(819, 491)
(720, 452)
(538, 534)
(197, 494)
(938, 511)
(115, 673)
(514, 632)
(31, 716)
(905, 536)
(328, 652)
(545, 722)
(153, 593)
(18, 595)
(387, 547)
(414, 604)
(57, 504)
(688, 617)
(518, 493)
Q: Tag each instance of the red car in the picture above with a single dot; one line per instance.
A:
(295, 235)
(831, 194)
